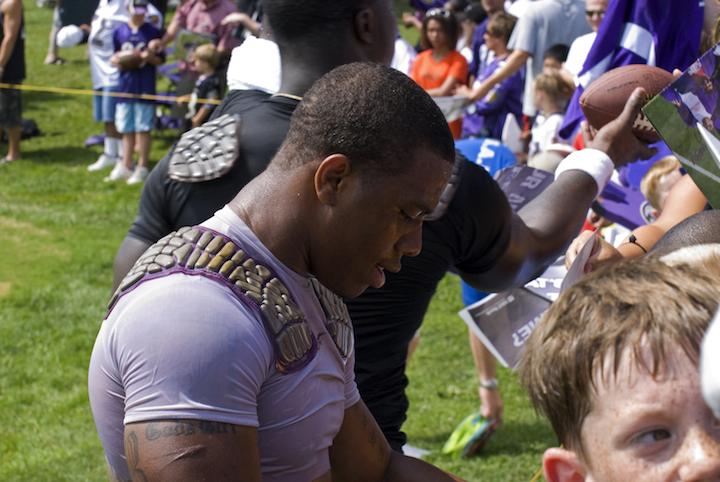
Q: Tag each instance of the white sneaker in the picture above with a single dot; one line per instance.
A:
(138, 176)
(119, 173)
(103, 162)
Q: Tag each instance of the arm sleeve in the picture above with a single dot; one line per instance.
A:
(481, 219)
(415, 68)
(523, 36)
(496, 98)
(352, 395)
(116, 41)
(213, 92)
(459, 68)
(179, 358)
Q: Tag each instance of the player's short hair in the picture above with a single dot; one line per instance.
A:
(377, 116)
(448, 22)
(651, 180)
(501, 25)
(635, 304)
(293, 20)
(557, 86)
(207, 53)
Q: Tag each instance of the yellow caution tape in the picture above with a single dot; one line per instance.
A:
(66, 90)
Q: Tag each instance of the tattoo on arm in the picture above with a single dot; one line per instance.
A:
(184, 428)
(133, 457)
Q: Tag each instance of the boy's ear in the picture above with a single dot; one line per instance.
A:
(562, 465)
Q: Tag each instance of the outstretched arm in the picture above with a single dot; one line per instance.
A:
(684, 200)
(541, 231)
(515, 61)
(360, 453)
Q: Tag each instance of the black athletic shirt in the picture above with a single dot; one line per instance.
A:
(167, 205)
(471, 236)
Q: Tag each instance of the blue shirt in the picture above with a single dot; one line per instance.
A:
(141, 80)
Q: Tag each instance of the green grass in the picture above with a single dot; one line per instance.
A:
(59, 229)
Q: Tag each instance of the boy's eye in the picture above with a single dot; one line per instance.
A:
(652, 436)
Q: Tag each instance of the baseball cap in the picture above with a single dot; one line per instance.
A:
(138, 6)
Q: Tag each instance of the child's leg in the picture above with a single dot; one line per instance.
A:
(143, 140)
(144, 118)
(491, 405)
(128, 140)
(125, 124)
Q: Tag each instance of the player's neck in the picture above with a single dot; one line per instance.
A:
(276, 217)
(301, 68)
(439, 53)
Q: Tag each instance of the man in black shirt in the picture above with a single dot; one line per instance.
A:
(475, 231)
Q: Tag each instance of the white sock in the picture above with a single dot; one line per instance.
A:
(119, 147)
(111, 147)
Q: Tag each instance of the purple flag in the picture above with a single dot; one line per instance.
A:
(662, 33)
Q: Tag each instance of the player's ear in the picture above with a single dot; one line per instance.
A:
(329, 177)
(365, 24)
(561, 465)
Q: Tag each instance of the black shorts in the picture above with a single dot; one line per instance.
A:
(10, 108)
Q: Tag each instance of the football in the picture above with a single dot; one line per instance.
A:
(129, 59)
(604, 99)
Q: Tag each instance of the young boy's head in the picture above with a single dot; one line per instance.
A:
(555, 56)
(552, 91)
(137, 9)
(659, 180)
(614, 366)
(206, 58)
(499, 28)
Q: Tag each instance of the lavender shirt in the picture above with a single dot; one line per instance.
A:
(184, 347)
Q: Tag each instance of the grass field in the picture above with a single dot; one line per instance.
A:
(59, 229)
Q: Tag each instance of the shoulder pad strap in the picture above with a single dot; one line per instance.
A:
(337, 318)
(201, 251)
(206, 152)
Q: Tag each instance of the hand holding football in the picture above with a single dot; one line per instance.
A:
(605, 98)
(129, 60)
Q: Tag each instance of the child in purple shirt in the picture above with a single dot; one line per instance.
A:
(486, 117)
(134, 116)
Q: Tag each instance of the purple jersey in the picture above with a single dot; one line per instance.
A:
(141, 80)
(486, 117)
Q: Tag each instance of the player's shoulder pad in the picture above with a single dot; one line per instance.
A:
(200, 251)
(206, 152)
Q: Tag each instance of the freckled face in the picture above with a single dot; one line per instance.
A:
(644, 429)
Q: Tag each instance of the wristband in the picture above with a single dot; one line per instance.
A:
(593, 162)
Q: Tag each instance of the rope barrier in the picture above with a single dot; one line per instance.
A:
(67, 90)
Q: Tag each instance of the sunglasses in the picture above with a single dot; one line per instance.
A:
(593, 13)
(438, 12)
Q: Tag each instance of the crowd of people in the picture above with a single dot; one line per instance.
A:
(269, 292)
